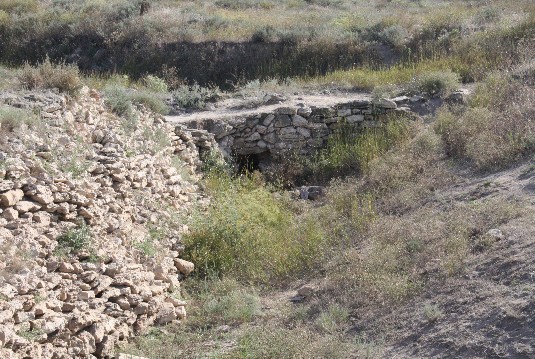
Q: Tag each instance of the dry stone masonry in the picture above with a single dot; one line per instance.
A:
(89, 250)
(304, 128)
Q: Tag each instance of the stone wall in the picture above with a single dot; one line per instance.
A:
(72, 291)
(304, 128)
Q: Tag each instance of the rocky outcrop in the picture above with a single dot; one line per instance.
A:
(89, 242)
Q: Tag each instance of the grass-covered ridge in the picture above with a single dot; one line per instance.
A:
(239, 40)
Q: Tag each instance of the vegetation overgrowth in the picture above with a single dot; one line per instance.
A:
(386, 228)
(381, 235)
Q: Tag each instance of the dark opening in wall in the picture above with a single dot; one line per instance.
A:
(253, 162)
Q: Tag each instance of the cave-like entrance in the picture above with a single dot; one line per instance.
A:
(253, 162)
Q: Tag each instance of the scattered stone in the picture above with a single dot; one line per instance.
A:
(386, 104)
(305, 291)
(11, 198)
(310, 192)
(184, 266)
(72, 307)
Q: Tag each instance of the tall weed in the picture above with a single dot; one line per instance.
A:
(496, 129)
(65, 78)
(349, 151)
(248, 233)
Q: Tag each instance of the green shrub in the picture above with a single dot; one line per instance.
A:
(436, 83)
(194, 96)
(65, 78)
(146, 247)
(248, 233)
(151, 100)
(121, 100)
(213, 162)
(118, 100)
(75, 240)
(155, 84)
(394, 35)
(349, 151)
(31, 334)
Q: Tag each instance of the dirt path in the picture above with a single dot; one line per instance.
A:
(233, 107)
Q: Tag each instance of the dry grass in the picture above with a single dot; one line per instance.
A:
(396, 256)
(12, 118)
(496, 130)
(65, 78)
(447, 35)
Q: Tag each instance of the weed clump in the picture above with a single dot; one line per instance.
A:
(75, 240)
(66, 78)
(12, 118)
(194, 96)
(349, 152)
(249, 233)
(224, 301)
(436, 83)
(117, 99)
(121, 100)
(495, 130)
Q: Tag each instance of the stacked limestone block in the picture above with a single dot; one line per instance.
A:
(82, 194)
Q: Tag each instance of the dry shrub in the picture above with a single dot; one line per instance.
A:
(404, 177)
(13, 260)
(496, 129)
(399, 255)
(66, 78)
(12, 118)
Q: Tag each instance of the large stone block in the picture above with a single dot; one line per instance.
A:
(299, 121)
(355, 118)
(286, 111)
(268, 120)
(283, 121)
(11, 198)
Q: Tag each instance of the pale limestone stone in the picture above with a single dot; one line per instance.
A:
(184, 266)
(11, 198)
